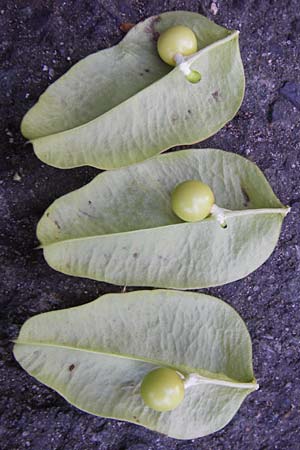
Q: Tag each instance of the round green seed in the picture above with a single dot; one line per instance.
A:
(176, 40)
(162, 389)
(192, 200)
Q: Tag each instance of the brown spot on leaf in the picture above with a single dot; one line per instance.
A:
(215, 95)
(246, 199)
(71, 367)
(135, 255)
(57, 224)
(151, 27)
(126, 26)
(90, 202)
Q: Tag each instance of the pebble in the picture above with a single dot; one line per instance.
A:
(17, 177)
(214, 8)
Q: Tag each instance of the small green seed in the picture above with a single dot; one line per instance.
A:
(194, 76)
(162, 389)
(192, 200)
(176, 40)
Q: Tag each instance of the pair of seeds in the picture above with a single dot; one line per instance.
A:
(163, 389)
(191, 200)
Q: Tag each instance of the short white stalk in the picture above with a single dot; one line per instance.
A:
(183, 65)
(221, 214)
(195, 380)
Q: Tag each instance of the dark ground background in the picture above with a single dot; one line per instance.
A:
(39, 41)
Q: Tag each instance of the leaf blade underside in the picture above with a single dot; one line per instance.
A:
(191, 332)
(120, 227)
(101, 114)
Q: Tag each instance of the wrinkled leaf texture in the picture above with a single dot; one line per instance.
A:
(123, 105)
(120, 228)
(96, 356)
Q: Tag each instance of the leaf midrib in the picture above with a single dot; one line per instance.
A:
(222, 379)
(229, 215)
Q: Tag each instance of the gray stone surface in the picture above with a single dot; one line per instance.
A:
(39, 41)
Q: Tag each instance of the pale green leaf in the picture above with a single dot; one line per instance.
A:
(123, 105)
(96, 356)
(120, 227)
